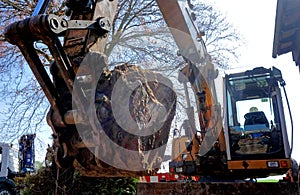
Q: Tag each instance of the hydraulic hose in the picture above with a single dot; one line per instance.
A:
(282, 83)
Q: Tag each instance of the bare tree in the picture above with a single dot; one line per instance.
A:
(140, 35)
(23, 102)
(222, 39)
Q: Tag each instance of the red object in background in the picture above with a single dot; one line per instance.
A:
(166, 177)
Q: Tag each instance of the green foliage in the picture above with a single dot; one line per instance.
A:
(44, 182)
(87, 185)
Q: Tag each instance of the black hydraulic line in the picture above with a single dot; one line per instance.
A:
(282, 83)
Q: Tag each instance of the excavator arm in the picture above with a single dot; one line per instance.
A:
(80, 37)
(200, 73)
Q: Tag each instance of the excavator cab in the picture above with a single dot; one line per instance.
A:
(250, 142)
(255, 127)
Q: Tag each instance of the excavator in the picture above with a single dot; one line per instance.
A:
(116, 123)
